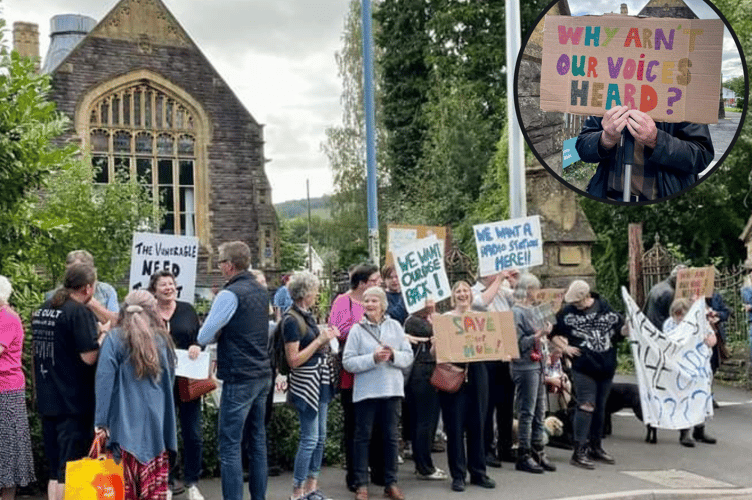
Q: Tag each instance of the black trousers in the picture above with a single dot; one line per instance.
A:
(386, 412)
(465, 412)
(348, 430)
(422, 402)
(501, 402)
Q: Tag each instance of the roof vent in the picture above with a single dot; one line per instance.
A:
(66, 31)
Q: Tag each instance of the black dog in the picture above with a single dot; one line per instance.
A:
(626, 396)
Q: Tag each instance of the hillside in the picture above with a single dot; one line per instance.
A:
(299, 208)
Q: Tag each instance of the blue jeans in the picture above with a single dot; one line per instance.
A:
(311, 445)
(531, 396)
(241, 400)
(190, 428)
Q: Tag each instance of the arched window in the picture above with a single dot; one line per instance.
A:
(140, 132)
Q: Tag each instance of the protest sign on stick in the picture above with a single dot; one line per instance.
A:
(694, 281)
(552, 296)
(421, 273)
(152, 252)
(673, 369)
(509, 244)
(667, 68)
(475, 336)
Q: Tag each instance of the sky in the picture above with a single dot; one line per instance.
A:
(278, 58)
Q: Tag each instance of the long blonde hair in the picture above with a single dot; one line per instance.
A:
(142, 327)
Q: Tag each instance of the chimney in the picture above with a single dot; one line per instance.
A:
(26, 39)
(624, 9)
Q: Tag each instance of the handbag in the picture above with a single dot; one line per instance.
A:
(448, 377)
(193, 388)
(95, 477)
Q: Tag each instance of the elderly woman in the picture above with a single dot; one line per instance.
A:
(134, 403)
(465, 411)
(376, 352)
(310, 386)
(528, 374)
(347, 309)
(182, 324)
(17, 465)
(592, 330)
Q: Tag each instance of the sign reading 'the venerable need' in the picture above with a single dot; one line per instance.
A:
(668, 68)
(154, 252)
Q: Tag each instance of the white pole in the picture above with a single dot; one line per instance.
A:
(517, 190)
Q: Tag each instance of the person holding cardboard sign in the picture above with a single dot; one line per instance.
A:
(668, 157)
(465, 412)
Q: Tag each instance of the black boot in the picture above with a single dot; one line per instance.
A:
(526, 463)
(596, 453)
(699, 435)
(580, 458)
(542, 459)
(684, 438)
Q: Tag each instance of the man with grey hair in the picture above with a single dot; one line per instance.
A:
(237, 321)
(660, 297)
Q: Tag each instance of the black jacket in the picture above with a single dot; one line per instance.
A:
(682, 151)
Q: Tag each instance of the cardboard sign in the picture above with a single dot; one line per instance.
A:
(475, 337)
(510, 244)
(569, 153)
(694, 281)
(667, 68)
(552, 296)
(397, 236)
(673, 369)
(421, 273)
(152, 252)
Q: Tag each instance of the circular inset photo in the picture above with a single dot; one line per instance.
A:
(633, 106)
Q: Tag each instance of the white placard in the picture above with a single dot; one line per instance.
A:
(400, 237)
(152, 252)
(192, 368)
(421, 272)
(673, 370)
(509, 244)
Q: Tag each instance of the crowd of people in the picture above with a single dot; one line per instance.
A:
(108, 370)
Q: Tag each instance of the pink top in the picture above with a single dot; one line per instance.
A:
(11, 338)
(344, 314)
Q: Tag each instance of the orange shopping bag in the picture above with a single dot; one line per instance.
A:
(96, 477)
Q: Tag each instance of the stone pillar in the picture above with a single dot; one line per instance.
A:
(568, 237)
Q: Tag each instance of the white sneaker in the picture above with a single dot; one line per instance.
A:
(169, 494)
(436, 475)
(193, 493)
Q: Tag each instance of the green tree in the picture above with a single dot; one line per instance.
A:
(291, 254)
(736, 84)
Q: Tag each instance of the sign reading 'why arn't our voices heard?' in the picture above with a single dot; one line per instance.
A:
(667, 68)
(155, 252)
(421, 272)
(475, 337)
(509, 244)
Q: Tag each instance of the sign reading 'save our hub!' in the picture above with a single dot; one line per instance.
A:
(154, 252)
(668, 68)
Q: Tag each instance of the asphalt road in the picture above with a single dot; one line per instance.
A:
(642, 470)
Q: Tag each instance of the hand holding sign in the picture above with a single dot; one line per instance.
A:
(613, 123)
(642, 128)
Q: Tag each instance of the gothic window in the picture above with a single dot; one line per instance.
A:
(140, 133)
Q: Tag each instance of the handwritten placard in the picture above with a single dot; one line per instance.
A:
(475, 337)
(421, 272)
(673, 369)
(694, 281)
(152, 252)
(398, 236)
(552, 296)
(510, 244)
(667, 68)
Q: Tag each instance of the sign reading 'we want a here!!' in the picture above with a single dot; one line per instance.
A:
(668, 68)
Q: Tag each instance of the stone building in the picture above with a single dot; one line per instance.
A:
(146, 103)
(567, 234)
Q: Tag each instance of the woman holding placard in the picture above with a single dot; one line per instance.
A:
(183, 325)
(464, 412)
(376, 352)
(528, 374)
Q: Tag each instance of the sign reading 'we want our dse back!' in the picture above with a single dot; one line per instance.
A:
(668, 68)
